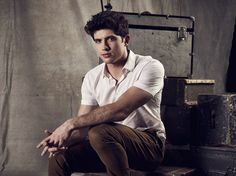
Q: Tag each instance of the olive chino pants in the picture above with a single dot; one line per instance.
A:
(114, 148)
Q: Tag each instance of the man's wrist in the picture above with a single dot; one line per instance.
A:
(70, 124)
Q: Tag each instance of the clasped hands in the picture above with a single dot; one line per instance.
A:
(56, 141)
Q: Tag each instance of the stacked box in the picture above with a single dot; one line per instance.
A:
(177, 120)
(215, 145)
(179, 91)
(217, 119)
(178, 106)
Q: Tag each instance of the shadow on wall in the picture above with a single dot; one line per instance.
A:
(231, 78)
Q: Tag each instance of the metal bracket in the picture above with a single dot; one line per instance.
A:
(182, 33)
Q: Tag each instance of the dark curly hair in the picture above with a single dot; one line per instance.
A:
(108, 20)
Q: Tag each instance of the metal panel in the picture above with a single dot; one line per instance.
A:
(159, 20)
(166, 38)
(164, 46)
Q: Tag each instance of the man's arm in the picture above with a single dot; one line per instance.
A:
(129, 101)
(81, 133)
(84, 109)
(77, 135)
(117, 111)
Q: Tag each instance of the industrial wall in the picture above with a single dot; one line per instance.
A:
(44, 53)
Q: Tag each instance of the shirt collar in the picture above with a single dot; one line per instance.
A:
(105, 72)
(129, 65)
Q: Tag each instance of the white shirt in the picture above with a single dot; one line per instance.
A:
(100, 88)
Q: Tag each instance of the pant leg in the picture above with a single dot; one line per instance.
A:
(78, 158)
(121, 148)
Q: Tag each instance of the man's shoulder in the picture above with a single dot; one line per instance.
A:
(97, 70)
(148, 60)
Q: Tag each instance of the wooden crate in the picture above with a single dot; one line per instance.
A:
(180, 91)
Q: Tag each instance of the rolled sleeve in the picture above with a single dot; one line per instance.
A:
(151, 78)
(87, 92)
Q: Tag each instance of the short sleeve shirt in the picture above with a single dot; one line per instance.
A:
(99, 88)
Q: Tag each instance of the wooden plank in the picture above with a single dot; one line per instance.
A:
(161, 171)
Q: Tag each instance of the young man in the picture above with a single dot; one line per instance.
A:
(118, 127)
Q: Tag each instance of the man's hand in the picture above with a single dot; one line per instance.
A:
(57, 140)
(52, 150)
(55, 150)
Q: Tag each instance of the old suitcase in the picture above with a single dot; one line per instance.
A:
(216, 121)
(167, 38)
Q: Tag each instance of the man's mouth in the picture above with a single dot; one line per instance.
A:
(106, 55)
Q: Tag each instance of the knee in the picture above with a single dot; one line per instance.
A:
(56, 161)
(100, 134)
(58, 164)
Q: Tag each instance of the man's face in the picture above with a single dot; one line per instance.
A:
(111, 48)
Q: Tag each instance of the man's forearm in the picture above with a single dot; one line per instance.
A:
(107, 113)
(132, 99)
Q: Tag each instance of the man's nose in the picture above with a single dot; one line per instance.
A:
(106, 46)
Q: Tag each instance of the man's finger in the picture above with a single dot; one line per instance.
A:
(50, 155)
(44, 150)
(60, 143)
(47, 132)
(62, 149)
(56, 150)
(53, 142)
(53, 149)
(43, 143)
(40, 145)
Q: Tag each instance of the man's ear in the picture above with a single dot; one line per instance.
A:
(126, 39)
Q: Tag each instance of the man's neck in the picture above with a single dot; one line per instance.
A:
(115, 70)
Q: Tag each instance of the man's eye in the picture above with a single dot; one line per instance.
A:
(97, 41)
(112, 38)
